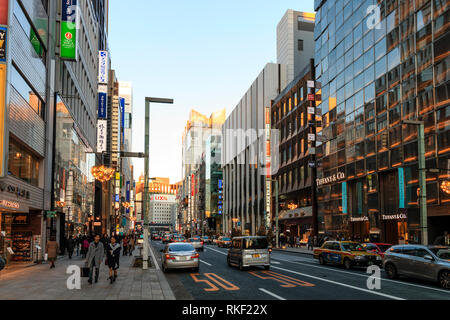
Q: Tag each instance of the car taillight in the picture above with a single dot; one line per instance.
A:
(202, 242)
(196, 256)
(169, 257)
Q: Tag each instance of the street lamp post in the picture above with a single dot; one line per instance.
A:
(146, 175)
(422, 180)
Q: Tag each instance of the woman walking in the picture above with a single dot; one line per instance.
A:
(52, 251)
(85, 247)
(125, 245)
(113, 256)
(131, 245)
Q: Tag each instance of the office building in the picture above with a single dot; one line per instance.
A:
(295, 42)
(377, 71)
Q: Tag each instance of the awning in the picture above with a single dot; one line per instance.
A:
(296, 214)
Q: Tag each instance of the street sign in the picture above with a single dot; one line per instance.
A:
(311, 97)
(311, 84)
(311, 137)
(311, 110)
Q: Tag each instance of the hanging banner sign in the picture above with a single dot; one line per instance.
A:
(102, 101)
(3, 144)
(69, 39)
(103, 67)
(102, 128)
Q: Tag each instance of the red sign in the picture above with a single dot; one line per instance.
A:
(4, 12)
(193, 185)
(311, 97)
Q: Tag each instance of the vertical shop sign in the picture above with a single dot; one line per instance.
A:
(69, 39)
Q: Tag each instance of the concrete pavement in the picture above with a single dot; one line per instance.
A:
(41, 283)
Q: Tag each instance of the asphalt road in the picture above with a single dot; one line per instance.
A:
(292, 277)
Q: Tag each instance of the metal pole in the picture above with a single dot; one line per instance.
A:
(146, 176)
(423, 186)
(276, 215)
(314, 159)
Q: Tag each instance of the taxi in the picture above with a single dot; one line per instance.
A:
(346, 253)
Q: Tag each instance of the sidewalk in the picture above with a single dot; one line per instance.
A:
(41, 283)
(301, 250)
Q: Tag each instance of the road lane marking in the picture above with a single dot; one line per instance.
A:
(208, 264)
(364, 276)
(287, 278)
(220, 281)
(341, 284)
(275, 262)
(287, 281)
(272, 294)
(212, 288)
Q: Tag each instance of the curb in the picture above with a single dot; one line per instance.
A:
(296, 252)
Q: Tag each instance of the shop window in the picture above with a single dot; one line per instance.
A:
(23, 164)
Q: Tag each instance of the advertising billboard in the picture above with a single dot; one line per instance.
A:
(69, 40)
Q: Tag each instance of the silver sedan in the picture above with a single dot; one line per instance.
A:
(180, 256)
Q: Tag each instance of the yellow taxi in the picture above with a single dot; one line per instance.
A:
(347, 254)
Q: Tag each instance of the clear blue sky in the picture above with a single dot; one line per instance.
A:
(203, 53)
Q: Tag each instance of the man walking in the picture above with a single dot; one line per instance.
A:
(94, 258)
(71, 242)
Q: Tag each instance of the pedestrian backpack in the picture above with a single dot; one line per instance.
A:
(2, 264)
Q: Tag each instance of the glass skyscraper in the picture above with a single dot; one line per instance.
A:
(381, 62)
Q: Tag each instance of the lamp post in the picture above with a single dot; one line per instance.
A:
(422, 180)
(148, 100)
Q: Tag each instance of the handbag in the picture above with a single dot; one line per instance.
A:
(85, 272)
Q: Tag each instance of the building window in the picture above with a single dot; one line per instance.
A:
(27, 93)
(22, 164)
(300, 45)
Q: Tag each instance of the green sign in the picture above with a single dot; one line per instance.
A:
(69, 30)
(51, 214)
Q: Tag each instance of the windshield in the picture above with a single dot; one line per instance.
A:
(181, 247)
(256, 243)
(384, 248)
(352, 247)
(443, 254)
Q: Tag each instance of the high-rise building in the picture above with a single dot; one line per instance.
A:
(295, 42)
(246, 156)
(380, 63)
(198, 129)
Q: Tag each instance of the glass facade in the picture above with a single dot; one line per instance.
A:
(380, 70)
(74, 189)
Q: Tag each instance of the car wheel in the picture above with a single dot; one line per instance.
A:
(241, 267)
(228, 261)
(322, 260)
(391, 271)
(444, 279)
(347, 264)
(267, 268)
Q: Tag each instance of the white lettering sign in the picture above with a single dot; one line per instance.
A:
(102, 126)
(103, 67)
(334, 178)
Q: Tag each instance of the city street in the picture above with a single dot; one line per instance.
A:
(292, 277)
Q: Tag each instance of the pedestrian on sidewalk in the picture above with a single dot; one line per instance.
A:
(85, 247)
(131, 245)
(105, 240)
(52, 251)
(125, 245)
(310, 243)
(78, 244)
(94, 258)
(71, 242)
(113, 256)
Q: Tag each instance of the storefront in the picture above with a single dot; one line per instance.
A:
(74, 186)
(296, 223)
(20, 221)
